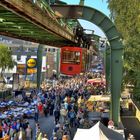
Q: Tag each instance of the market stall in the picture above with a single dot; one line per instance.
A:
(16, 109)
(98, 103)
(97, 81)
(98, 132)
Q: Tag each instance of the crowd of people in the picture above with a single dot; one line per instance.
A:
(12, 129)
(66, 101)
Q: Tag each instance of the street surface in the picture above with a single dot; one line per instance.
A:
(46, 125)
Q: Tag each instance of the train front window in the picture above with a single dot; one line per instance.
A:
(71, 57)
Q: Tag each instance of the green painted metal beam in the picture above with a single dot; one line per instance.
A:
(13, 15)
(39, 65)
(107, 67)
(116, 78)
(58, 62)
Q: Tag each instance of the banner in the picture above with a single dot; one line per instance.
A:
(21, 69)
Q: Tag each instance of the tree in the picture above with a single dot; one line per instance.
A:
(6, 61)
(126, 16)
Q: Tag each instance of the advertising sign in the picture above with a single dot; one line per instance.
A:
(30, 71)
(31, 65)
(21, 69)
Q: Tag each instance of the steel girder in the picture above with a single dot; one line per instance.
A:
(116, 62)
(25, 20)
(39, 65)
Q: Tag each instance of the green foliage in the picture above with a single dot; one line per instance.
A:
(126, 16)
(6, 60)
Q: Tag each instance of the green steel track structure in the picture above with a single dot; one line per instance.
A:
(25, 20)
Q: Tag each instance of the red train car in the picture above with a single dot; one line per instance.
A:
(73, 60)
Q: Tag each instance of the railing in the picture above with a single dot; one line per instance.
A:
(43, 5)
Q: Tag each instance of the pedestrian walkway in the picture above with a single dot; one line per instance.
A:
(44, 123)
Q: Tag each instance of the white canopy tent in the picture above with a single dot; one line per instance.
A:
(97, 132)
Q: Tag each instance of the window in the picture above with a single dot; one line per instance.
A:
(71, 57)
(53, 50)
(18, 57)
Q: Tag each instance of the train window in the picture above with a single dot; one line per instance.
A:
(72, 57)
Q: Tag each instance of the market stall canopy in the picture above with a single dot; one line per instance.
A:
(99, 98)
(96, 81)
(103, 98)
(98, 132)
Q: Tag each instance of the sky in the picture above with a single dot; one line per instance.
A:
(100, 5)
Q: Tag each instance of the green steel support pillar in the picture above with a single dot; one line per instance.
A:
(58, 62)
(39, 65)
(116, 80)
(107, 67)
(82, 2)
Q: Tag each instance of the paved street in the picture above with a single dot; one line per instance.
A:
(46, 125)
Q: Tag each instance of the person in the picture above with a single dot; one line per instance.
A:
(53, 135)
(44, 137)
(55, 138)
(63, 113)
(46, 110)
(15, 135)
(59, 133)
(11, 133)
(36, 114)
(131, 137)
(111, 124)
(40, 108)
(6, 137)
(65, 136)
(28, 133)
(39, 137)
(0, 129)
(72, 117)
(18, 125)
(56, 115)
(21, 134)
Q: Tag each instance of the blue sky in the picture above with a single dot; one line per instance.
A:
(101, 5)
